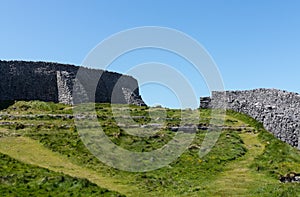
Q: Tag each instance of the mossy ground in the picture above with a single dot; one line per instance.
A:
(246, 160)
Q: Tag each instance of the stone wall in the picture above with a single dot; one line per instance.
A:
(278, 110)
(21, 80)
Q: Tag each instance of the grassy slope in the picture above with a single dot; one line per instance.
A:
(20, 179)
(244, 161)
(276, 159)
(32, 152)
(238, 178)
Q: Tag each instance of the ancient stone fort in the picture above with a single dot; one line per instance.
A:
(21, 80)
(278, 110)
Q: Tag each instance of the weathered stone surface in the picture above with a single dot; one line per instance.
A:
(21, 80)
(290, 178)
(278, 110)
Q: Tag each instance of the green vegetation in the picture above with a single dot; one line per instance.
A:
(32, 107)
(278, 158)
(246, 160)
(19, 179)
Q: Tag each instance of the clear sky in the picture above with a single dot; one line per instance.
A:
(254, 43)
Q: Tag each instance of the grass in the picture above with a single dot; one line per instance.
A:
(246, 159)
(238, 177)
(31, 152)
(20, 179)
(278, 158)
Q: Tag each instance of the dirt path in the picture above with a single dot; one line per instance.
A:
(238, 178)
(32, 152)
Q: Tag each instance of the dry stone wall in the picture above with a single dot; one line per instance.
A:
(278, 110)
(23, 80)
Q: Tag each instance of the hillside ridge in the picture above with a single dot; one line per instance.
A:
(246, 160)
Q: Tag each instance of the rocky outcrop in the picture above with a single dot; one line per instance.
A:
(278, 110)
(22, 80)
(290, 178)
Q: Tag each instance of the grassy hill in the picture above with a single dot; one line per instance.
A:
(42, 154)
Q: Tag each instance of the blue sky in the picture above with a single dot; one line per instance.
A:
(254, 43)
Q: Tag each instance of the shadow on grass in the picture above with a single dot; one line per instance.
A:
(5, 104)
